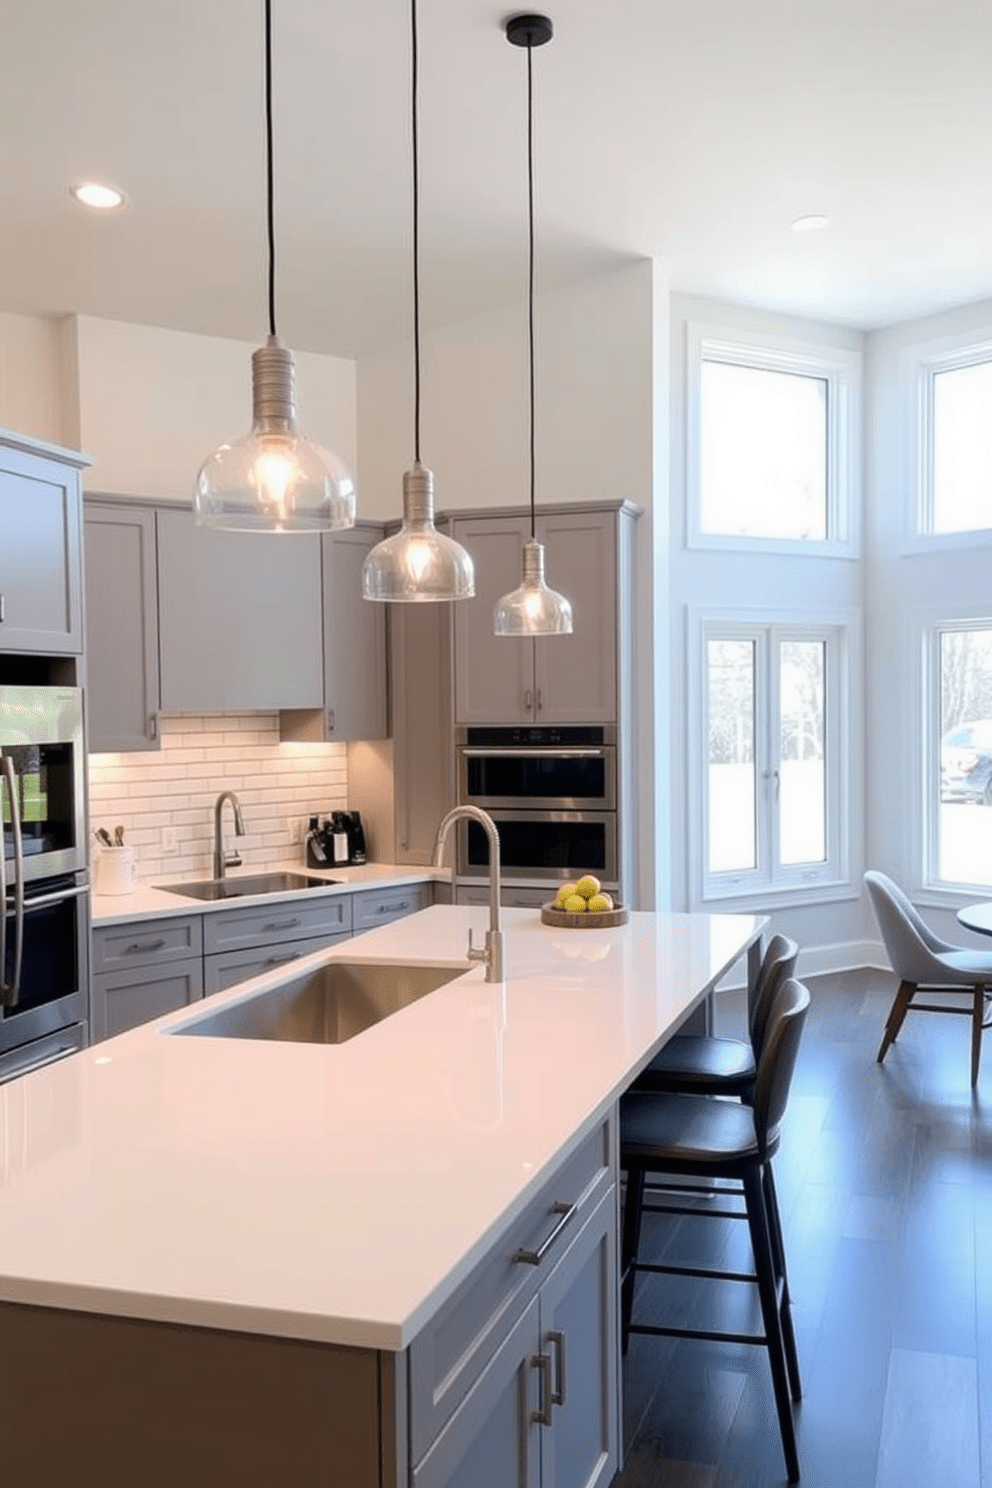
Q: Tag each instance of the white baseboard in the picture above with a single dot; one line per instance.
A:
(848, 955)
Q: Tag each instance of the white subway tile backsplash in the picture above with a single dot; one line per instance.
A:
(202, 755)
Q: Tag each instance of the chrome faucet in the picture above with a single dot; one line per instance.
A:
(492, 953)
(224, 860)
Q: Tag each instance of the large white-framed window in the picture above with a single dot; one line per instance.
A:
(957, 734)
(951, 433)
(769, 756)
(772, 444)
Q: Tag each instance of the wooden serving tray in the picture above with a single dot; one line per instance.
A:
(584, 920)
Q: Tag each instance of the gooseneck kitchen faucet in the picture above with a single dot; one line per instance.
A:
(492, 952)
(223, 860)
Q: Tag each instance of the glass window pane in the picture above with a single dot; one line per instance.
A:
(802, 753)
(962, 449)
(730, 669)
(964, 827)
(763, 453)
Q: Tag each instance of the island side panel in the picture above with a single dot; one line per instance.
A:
(116, 1401)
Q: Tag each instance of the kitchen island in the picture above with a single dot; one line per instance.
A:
(229, 1261)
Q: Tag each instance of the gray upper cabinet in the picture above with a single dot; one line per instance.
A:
(121, 626)
(557, 679)
(239, 618)
(355, 705)
(41, 572)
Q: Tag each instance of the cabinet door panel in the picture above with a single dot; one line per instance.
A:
(121, 628)
(579, 1331)
(40, 554)
(576, 675)
(491, 1441)
(354, 641)
(239, 618)
(123, 1000)
(494, 675)
(278, 921)
(420, 680)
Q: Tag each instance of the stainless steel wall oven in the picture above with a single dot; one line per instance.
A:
(43, 878)
(552, 793)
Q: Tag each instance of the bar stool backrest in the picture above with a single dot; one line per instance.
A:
(777, 965)
(777, 1062)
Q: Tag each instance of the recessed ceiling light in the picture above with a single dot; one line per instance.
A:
(809, 223)
(93, 194)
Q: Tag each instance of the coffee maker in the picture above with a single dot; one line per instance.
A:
(338, 842)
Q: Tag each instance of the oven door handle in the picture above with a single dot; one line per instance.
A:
(555, 754)
(11, 991)
(45, 901)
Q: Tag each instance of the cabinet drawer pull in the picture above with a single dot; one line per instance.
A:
(393, 908)
(282, 924)
(557, 1339)
(146, 945)
(3, 607)
(542, 1363)
(535, 1257)
(281, 960)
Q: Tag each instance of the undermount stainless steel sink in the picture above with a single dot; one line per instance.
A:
(327, 1006)
(237, 888)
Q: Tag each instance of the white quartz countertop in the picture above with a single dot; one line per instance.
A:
(148, 901)
(337, 1192)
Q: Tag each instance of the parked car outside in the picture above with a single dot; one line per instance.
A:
(966, 763)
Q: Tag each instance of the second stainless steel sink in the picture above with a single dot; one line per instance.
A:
(328, 1006)
(238, 888)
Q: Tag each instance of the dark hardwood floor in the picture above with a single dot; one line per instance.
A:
(885, 1185)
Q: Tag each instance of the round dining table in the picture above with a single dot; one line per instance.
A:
(977, 917)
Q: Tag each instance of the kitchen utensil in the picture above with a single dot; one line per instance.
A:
(103, 837)
(118, 836)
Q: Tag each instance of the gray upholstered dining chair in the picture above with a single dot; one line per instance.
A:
(925, 963)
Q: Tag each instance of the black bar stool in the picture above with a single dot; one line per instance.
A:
(707, 1138)
(702, 1065)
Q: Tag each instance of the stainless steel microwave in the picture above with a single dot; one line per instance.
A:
(558, 769)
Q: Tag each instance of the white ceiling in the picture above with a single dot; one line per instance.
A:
(691, 129)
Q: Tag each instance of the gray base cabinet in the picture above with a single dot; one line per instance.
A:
(147, 968)
(41, 566)
(121, 627)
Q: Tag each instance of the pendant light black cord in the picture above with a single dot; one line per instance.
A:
(416, 235)
(269, 177)
(530, 287)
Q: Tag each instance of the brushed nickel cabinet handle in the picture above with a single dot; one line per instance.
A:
(542, 1363)
(535, 1257)
(153, 726)
(528, 700)
(282, 924)
(145, 945)
(3, 607)
(540, 700)
(330, 720)
(557, 1339)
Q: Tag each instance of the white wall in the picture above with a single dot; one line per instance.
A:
(30, 377)
(904, 585)
(154, 403)
(758, 582)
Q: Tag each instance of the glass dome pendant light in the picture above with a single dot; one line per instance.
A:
(273, 480)
(418, 563)
(533, 609)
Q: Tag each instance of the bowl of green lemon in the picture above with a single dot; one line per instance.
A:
(583, 905)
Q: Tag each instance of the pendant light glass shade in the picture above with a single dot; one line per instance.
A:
(533, 609)
(418, 563)
(274, 480)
